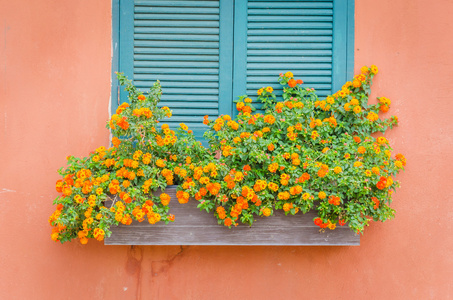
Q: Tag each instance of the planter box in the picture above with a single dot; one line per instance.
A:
(195, 227)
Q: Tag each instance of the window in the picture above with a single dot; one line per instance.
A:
(206, 53)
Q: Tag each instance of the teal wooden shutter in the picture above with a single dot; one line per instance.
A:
(187, 45)
(205, 60)
(304, 37)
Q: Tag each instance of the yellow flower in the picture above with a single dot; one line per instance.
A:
(381, 140)
(322, 195)
(260, 91)
(248, 100)
(269, 89)
(372, 116)
(267, 212)
(357, 109)
(183, 126)
(374, 69)
(337, 170)
(346, 107)
(289, 74)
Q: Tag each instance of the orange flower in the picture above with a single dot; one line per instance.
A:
(228, 222)
(374, 69)
(164, 199)
(372, 116)
(269, 119)
(116, 141)
(273, 167)
(384, 108)
(292, 83)
(183, 197)
(221, 212)
(99, 234)
(267, 211)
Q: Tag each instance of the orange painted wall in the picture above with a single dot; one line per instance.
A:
(55, 74)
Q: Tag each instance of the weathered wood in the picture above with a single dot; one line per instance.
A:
(195, 227)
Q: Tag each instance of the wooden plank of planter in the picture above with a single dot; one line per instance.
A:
(195, 227)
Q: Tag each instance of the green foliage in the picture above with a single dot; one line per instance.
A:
(302, 154)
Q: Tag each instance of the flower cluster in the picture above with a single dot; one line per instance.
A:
(297, 154)
(304, 153)
(116, 185)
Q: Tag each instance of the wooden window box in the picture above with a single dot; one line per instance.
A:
(195, 227)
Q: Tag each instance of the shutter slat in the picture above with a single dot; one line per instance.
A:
(155, 10)
(166, 17)
(175, 78)
(183, 23)
(290, 18)
(166, 51)
(273, 79)
(176, 30)
(290, 25)
(188, 91)
(288, 59)
(292, 32)
(177, 37)
(177, 44)
(284, 53)
(177, 3)
(316, 86)
(181, 112)
(182, 64)
(291, 12)
(326, 72)
(213, 58)
(286, 4)
(289, 46)
(183, 104)
(188, 71)
(288, 66)
(289, 39)
(192, 98)
(180, 84)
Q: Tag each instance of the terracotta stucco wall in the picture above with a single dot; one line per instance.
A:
(54, 95)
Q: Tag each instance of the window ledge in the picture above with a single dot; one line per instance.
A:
(195, 227)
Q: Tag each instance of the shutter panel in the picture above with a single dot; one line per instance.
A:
(179, 43)
(281, 36)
